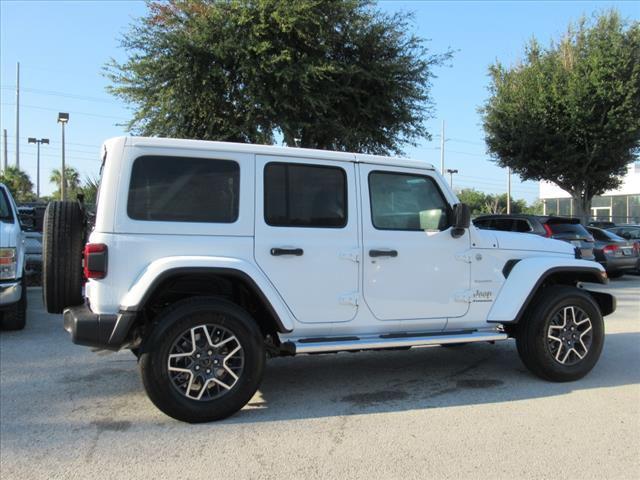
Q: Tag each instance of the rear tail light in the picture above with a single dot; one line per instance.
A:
(8, 263)
(547, 229)
(95, 260)
(612, 250)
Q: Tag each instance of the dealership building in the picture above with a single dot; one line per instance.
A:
(619, 206)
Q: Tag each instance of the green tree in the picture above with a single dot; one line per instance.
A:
(72, 183)
(570, 113)
(19, 184)
(474, 199)
(89, 189)
(336, 75)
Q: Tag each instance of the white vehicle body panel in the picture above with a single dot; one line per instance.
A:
(523, 278)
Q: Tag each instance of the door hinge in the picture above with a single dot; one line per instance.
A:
(353, 255)
(463, 296)
(464, 257)
(349, 299)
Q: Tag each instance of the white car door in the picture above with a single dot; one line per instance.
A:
(409, 255)
(306, 235)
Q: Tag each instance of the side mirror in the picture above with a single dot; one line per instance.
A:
(461, 219)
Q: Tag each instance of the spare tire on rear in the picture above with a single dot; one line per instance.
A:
(63, 238)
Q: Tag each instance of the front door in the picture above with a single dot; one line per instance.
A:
(306, 235)
(410, 267)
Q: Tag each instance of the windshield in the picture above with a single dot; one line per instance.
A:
(5, 209)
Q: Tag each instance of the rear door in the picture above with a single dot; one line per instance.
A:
(306, 235)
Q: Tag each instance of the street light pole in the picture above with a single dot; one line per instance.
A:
(451, 172)
(38, 142)
(63, 118)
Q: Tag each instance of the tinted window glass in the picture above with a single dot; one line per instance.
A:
(574, 228)
(297, 195)
(521, 226)
(504, 224)
(406, 202)
(181, 189)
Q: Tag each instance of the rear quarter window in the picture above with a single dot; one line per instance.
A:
(184, 189)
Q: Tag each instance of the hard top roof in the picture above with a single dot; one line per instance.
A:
(273, 151)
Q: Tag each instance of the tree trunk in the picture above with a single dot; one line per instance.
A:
(582, 208)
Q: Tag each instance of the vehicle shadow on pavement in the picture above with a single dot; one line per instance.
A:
(376, 382)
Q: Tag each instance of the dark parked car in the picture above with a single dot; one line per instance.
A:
(601, 224)
(31, 217)
(629, 232)
(616, 254)
(561, 228)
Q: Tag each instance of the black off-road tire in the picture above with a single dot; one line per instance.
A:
(532, 334)
(171, 325)
(15, 317)
(63, 239)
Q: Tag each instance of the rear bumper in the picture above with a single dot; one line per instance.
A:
(105, 331)
(10, 292)
(618, 264)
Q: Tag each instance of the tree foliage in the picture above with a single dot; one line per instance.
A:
(327, 74)
(72, 183)
(19, 184)
(482, 203)
(570, 113)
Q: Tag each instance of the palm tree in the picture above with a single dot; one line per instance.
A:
(72, 180)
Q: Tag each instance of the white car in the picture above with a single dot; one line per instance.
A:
(13, 291)
(207, 257)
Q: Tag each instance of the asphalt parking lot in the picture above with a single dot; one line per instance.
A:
(470, 412)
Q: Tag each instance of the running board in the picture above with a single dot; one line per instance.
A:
(320, 345)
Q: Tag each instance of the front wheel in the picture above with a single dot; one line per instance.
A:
(204, 361)
(562, 337)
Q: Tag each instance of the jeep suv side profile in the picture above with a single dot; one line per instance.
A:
(208, 257)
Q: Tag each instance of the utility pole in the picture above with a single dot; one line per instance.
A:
(508, 190)
(18, 116)
(442, 149)
(451, 172)
(6, 156)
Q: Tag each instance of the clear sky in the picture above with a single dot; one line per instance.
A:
(62, 46)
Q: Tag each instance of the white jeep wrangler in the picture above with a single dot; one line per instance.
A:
(207, 257)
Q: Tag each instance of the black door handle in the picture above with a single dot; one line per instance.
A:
(383, 253)
(276, 252)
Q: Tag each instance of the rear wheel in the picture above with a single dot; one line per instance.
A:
(204, 361)
(63, 239)
(562, 337)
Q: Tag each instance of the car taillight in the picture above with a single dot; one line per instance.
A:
(613, 250)
(95, 260)
(547, 229)
(8, 263)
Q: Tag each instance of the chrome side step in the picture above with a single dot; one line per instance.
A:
(385, 341)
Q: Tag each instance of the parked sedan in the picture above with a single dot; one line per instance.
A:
(561, 228)
(616, 254)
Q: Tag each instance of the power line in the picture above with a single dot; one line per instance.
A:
(53, 93)
(70, 111)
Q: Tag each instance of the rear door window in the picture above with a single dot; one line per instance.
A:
(184, 189)
(569, 229)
